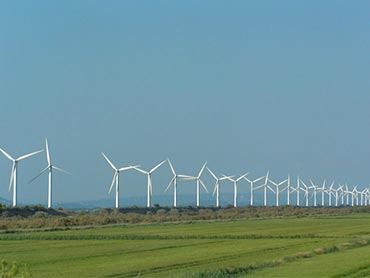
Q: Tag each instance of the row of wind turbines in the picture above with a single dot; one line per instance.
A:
(339, 195)
(331, 196)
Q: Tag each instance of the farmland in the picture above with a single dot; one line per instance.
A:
(269, 247)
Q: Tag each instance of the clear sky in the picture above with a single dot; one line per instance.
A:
(244, 85)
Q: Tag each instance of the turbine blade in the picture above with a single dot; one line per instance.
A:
(28, 155)
(205, 188)
(260, 178)
(201, 170)
(267, 177)
(109, 162)
(242, 177)
(186, 177)
(230, 178)
(42, 171)
(172, 169)
(47, 151)
(156, 167)
(114, 179)
(140, 170)
(274, 183)
(214, 190)
(169, 185)
(12, 176)
(226, 178)
(128, 168)
(6, 154)
(213, 174)
(61, 170)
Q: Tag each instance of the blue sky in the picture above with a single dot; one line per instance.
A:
(244, 85)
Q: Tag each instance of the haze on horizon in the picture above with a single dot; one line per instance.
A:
(248, 86)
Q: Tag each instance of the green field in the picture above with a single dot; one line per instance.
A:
(330, 246)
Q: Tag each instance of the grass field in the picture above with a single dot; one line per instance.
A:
(327, 246)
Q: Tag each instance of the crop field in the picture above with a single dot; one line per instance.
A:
(326, 246)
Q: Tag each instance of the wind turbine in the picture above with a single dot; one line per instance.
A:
(235, 181)
(199, 182)
(50, 169)
(277, 189)
(174, 182)
(314, 187)
(265, 186)
(356, 194)
(116, 176)
(330, 192)
(288, 191)
(252, 182)
(322, 189)
(347, 195)
(217, 186)
(353, 196)
(306, 191)
(149, 177)
(14, 173)
(297, 190)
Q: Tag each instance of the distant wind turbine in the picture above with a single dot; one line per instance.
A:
(217, 186)
(50, 169)
(277, 192)
(174, 182)
(14, 173)
(116, 176)
(235, 181)
(149, 177)
(252, 182)
(199, 182)
(265, 186)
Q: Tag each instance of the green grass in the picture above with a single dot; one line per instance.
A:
(285, 247)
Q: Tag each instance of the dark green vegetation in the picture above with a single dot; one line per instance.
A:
(41, 217)
(248, 242)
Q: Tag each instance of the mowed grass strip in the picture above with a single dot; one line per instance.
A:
(347, 263)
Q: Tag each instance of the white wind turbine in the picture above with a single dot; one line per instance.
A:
(235, 181)
(116, 176)
(199, 182)
(355, 191)
(306, 191)
(353, 196)
(314, 187)
(336, 195)
(347, 195)
(14, 173)
(174, 182)
(50, 169)
(297, 190)
(265, 186)
(252, 182)
(217, 186)
(278, 191)
(288, 191)
(322, 189)
(342, 190)
(330, 192)
(149, 178)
